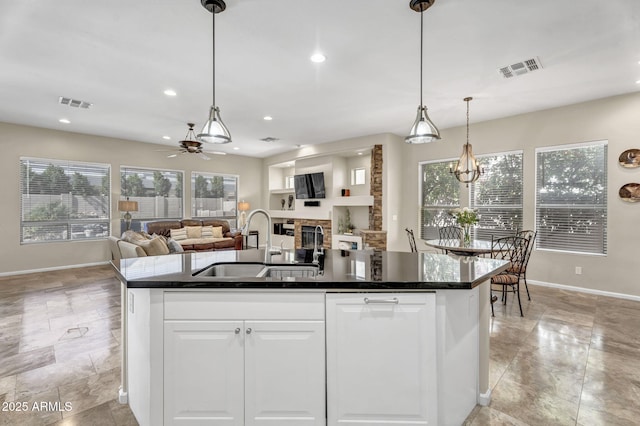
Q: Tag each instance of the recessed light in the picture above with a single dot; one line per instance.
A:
(637, 81)
(267, 118)
(235, 148)
(360, 153)
(64, 121)
(167, 138)
(170, 92)
(318, 58)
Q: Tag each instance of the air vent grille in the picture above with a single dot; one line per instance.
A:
(520, 68)
(75, 103)
(269, 139)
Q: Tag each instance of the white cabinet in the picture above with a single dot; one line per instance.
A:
(249, 371)
(381, 359)
(203, 373)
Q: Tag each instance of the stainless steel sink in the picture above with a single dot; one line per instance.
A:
(289, 271)
(259, 270)
(232, 270)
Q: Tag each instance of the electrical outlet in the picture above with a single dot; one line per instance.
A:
(578, 270)
(131, 302)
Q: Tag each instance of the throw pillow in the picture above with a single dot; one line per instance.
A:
(174, 246)
(133, 237)
(194, 231)
(207, 232)
(217, 232)
(178, 234)
(154, 247)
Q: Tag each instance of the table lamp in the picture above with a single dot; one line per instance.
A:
(243, 206)
(127, 206)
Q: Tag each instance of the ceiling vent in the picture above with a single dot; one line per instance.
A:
(75, 103)
(269, 139)
(520, 68)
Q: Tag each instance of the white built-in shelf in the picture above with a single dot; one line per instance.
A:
(355, 200)
(282, 191)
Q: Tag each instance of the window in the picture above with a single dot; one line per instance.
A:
(571, 198)
(497, 195)
(289, 182)
(63, 200)
(158, 193)
(358, 176)
(439, 193)
(214, 195)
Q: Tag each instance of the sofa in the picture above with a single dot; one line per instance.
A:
(174, 236)
(222, 238)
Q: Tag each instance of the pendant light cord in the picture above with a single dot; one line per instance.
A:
(213, 13)
(467, 120)
(421, 49)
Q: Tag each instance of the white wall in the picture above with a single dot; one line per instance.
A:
(22, 141)
(614, 119)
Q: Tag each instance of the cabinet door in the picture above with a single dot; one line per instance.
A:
(203, 373)
(381, 359)
(285, 373)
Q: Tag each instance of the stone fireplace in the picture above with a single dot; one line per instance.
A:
(304, 229)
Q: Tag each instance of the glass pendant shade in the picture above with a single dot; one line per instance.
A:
(467, 169)
(214, 130)
(423, 129)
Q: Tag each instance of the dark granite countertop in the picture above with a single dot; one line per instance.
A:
(361, 270)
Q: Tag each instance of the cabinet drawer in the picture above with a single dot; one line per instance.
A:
(210, 305)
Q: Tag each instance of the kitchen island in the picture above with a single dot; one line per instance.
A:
(360, 337)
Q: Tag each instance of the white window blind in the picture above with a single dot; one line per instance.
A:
(63, 200)
(497, 195)
(571, 198)
(158, 193)
(439, 193)
(214, 196)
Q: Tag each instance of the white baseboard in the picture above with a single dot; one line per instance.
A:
(585, 290)
(484, 399)
(53, 268)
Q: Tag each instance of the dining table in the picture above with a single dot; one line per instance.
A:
(472, 248)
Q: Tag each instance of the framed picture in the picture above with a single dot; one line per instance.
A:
(630, 192)
(630, 158)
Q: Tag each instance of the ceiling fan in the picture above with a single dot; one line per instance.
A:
(191, 146)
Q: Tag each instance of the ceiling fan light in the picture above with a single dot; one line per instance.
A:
(214, 130)
(423, 129)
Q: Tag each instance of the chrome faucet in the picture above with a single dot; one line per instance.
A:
(269, 250)
(316, 253)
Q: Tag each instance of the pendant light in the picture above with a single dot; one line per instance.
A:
(214, 130)
(423, 130)
(467, 169)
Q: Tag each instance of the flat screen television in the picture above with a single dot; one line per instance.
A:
(310, 185)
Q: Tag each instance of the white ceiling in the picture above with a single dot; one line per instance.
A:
(121, 55)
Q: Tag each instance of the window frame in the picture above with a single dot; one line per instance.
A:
(472, 190)
(604, 205)
(103, 223)
(138, 222)
(208, 175)
(354, 176)
(444, 207)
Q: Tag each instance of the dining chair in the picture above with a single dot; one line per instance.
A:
(412, 240)
(513, 249)
(449, 232)
(531, 236)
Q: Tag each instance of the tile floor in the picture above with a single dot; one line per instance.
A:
(572, 359)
